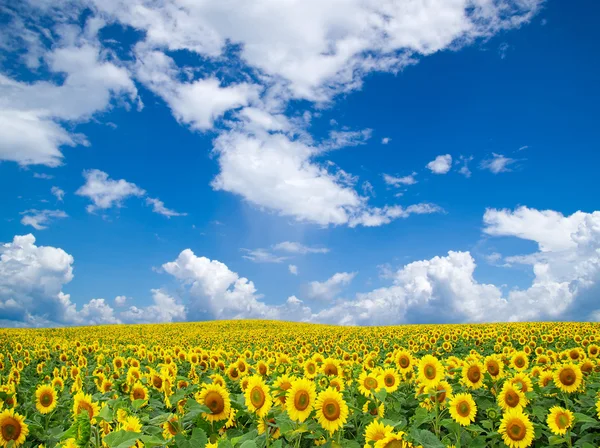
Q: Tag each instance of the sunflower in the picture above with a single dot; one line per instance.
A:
(523, 382)
(442, 393)
(332, 410)
(45, 399)
(371, 407)
(367, 383)
(83, 402)
(404, 361)
(559, 420)
(216, 398)
(330, 367)
(511, 397)
(519, 361)
(516, 429)
(281, 385)
(377, 431)
(430, 371)
(392, 440)
(310, 369)
(301, 399)
(390, 380)
(258, 398)
(463, 409)
(138, 392)
(171, 427)
(337, 383)
(493, 366)
(472, 374)
(132, 424)
(568, 377)
(263, 424)
(12, 428)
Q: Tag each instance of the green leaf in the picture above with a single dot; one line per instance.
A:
(426, 438)
(556, 440)
(151, 441)
(121, 439)
(137, 404)
(381, 394)
(248, 444)
(583, 418)
(106, 414)
(199, 438)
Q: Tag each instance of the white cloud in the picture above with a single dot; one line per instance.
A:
(58, 193)
(105, 192)
(120, 301)
(298, 248)
(217, 292)
(98, 312)
(158, 206)
(378, 216)
(43, 176)
(441, 164)
(367, 188)
(342, 139)
(497, 164)
(32, 114)
(397, 181)
(39, 219)
(385, 140)
(164, 309)
(262, 256)
(566, 273)
(331, 287)
(503, 50)
(493, 258)
(464, 169)
(293, 269)
(523, 147)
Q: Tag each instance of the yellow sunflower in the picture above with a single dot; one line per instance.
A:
(84, 402)
(45, 399)
(516, 429)
(522, 381)
(559, 420)
(281, 385)
(430, 371)
(12, 428)
(216, 398)
(392, 440)
(463, 409)
(132, 424)
(376, 431)
(519, 361)
(258, 397)
(472, 374)
(568, 377)
(404, 361)
(368, 383)
(511, 397)
(263, 424)
(493, 366)
(138, 392)
(171, 427)
(301, 399)
(389, 379)
(332, 410)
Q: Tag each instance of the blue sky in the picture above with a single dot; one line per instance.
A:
(321, 132)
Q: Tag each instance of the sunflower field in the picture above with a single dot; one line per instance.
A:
(261, 384)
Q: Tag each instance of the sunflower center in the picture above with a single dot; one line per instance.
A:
(567, 377)
(46, 399)
(562, 421)
(429, 372)
(473, 374)
(404, 362)
(311, 368)
(511, 398)
(493, 368)
(257, 397)
(87, 407)
(389, 380)
(11, 429)
(370, 383)
(395, 444)
(331, 369)
(463, 409)
(262, 369)
(441, 395)
(157, 382)
(215, 402)
(138, 394)
(519, 362)
(301, 400)
(331, 410)
(516, 430)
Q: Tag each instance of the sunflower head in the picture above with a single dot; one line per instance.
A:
(568, 377)
(516, 429)
(12, 428)
(559, 420)
(463, 409)
(258, 397)
(332, 410)
(45, 399)
(216, 398)
(430, 371)
(300, 399)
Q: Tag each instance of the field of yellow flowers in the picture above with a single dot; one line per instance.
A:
(275, 384)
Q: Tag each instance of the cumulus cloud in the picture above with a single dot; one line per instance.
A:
(385, 140)
(158, 206)
(441, 164)
(120, 300)
(497, 163)
(464, 169)
(164, 308)
(293, 269)
(40, 219)
(566, 271)
(331, 287)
